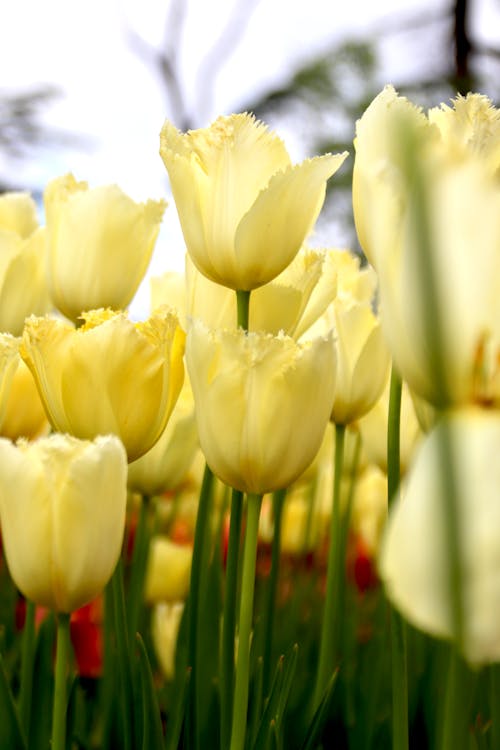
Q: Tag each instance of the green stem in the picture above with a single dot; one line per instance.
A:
(201, 551)
(332, 615)
(432, 324)
(229, 618)
(138, 570)
(399, 665)
(27, 662)
(240, 705)
(495, 704)
(243, 308)
(270, 609)
(393, 436)
(456, 707)
(61, 673)
(123, 654)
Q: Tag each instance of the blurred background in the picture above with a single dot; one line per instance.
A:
(85, 86)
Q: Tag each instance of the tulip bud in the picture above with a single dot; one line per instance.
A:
(62, 509)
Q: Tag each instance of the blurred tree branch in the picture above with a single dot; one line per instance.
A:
(165, 60)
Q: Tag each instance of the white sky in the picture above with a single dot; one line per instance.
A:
(114, 99)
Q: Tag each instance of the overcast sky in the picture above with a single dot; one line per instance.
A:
(111, 97)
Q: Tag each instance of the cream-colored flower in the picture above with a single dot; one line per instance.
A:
(457, 153)
(413, 561)
(100, 244)
(165, 466)
(262, 403)
(9, 359)
(369, 508)
(361, 354)
(18, 214)
(165, 623)
(168, 570)
(109, 376)
(23, 284)
(62, 509)
(244, 209)
(24, 414)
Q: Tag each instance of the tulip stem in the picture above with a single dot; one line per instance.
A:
(198, 564)
(138, 569)
(334, 602)
(270, 609)
(27, 662)
(456, 704)
(399, 667)
(61, 673)
(240, 706)
(229, 618)
(243, 307)
(432, 325)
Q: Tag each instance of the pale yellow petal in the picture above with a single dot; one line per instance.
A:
(272, 232)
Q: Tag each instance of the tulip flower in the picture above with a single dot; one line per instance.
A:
(100, 244)
(413, 561)
(244, 209)
(62, 509)
(23, 285)
(458, 166)
(18, 214)
(24, 413)
(165, 624)
(262, 403)
(165, 466)
(9, 360)
(168, 570)
(109, 376)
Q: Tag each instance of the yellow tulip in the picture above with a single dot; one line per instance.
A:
(18, 214)
(165, 623)
(168, 570)
(62, 509)
(165, 466)
(24, 414)
(362, 357)
(9, 359)
(413, 561)
(100, 244)
(369, 509)
(262, 403)
(23, 284)
(244, 209)
(109, 376)
(458, 156)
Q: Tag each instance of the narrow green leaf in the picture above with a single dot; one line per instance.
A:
(11, 735)
(174, 730)
(152, 732)
(320, 715)
(290, 667)
(270, 708)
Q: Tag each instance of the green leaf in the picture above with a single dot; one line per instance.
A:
(152, 732)
(320, 715)
(43, 687)
(270, 708)
(177, 717)
(11, 735)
